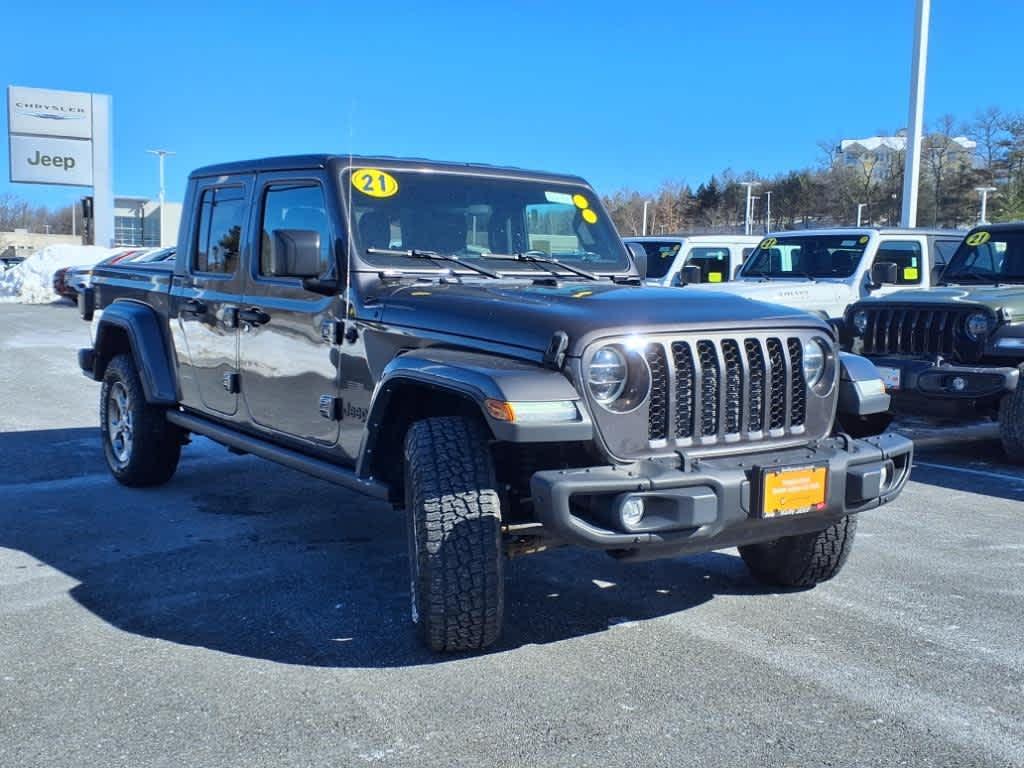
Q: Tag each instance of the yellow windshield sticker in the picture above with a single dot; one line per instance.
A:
(714, 277)
(580, 201)
(863, 239)
(768, 242)
(910, 273)
(978, 238)
(374, 182)
(589, 216)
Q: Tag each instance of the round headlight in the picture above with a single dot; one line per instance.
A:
(977, 326)
(606, 375)
(815, 357)
(860, 321)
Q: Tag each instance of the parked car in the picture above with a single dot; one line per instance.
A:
(826, 270)
(959, 347)
(715, 257)
(78, 278)
(474, 345)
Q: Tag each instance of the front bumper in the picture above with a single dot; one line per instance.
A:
(928, 379)
(712, 503)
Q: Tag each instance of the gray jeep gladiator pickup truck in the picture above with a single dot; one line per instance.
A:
(474, 345)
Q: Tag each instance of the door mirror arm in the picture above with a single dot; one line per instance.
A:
(325, 286)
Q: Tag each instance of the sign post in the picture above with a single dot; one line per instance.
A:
(64, 138)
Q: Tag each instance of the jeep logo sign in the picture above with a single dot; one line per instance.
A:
(45, 160)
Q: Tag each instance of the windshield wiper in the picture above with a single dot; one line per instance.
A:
(547, 262)
(416, 253)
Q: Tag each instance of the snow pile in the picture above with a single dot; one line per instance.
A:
(31, 282)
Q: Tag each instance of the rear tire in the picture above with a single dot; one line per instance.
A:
(141, 447)
(803, 560)
(1011, 423)
(454, 514)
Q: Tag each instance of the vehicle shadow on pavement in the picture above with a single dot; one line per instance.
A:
(246, 558)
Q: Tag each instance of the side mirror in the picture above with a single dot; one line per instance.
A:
(295, 253)
(325, 286)
(883, 273)
(639, 256)
(690, 273)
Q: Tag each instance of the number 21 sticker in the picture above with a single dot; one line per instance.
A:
(374, 182)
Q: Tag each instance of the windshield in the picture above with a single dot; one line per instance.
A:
(988, 257)
(470, 216)
(660, 255)
(806, 256)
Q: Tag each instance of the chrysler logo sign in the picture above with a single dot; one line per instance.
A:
(51, 111)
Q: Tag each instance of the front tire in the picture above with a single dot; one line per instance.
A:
(141, 447)
(454, 515)
(1011, 424)
(803, 560)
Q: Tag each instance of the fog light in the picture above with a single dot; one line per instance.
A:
(958, 383)
(632, 511)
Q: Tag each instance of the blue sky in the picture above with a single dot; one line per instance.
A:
(625, 94)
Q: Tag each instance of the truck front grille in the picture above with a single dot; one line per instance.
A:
(731, 389)
(918, 331)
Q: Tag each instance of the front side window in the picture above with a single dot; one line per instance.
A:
(988, 257)
(817, 256)
(218, 241)
(944, 250)
(473, 217)
(713, 262)
(906, 255)
(291, 209)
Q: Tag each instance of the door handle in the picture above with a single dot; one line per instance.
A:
(253, 316)
(193, 307)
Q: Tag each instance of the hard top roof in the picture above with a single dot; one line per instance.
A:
(868, 230)
(337, 162)
(1011, 226)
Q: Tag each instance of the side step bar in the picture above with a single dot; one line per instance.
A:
(332, 473)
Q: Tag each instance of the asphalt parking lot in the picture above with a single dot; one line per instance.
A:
(245, 614)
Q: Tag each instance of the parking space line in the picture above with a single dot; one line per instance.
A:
(968, 471)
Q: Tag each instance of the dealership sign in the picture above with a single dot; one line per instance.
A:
(64, 137)
(40, 160)
(39, 112)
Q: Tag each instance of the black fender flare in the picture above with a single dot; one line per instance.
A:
(475, 378)
(142, 325)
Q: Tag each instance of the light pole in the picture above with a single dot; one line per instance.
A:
(644, 231)
(768, 212)
(746, 216)
(860, 207)
(161, 154)
(918, 71)
(983, 191)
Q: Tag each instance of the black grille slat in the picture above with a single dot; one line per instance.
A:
(758, 380)
(798, 387)
(734, 391)
(657, 414)
(710, 378)
(685, 406)
(777, 387)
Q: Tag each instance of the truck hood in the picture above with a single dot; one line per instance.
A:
(526, 315)
(797, 293)
(1008, 296)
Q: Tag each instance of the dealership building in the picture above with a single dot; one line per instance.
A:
(137, 222)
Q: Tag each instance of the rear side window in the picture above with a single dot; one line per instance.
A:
(218, 241)
(294, 206)
(906, 255)
(713, 262)
(660, 256)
